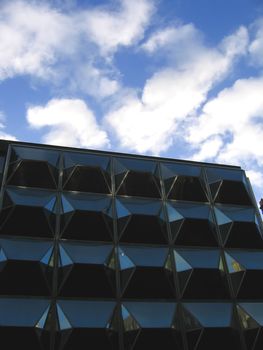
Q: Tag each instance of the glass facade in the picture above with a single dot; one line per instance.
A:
(120, 252)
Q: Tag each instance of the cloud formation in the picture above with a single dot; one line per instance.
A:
(70, 123)
(150, 122)
(191, 96)
(43, 41)
(234, 118)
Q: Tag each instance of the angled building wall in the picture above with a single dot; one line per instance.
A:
(109, 251)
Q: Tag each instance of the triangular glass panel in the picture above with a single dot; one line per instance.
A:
(184, 270)
(48, 258)
(169, 264)
(173, 214)
(233, 265)
(121, 210)
(131, 328)
(62, 319)
(181, 263)
(221, 217)
(43, 327)
(125, 261)
(51, 205)
(41, 324)
(246, 320)
(65, 260)
(109, 211)
(112, 324)
(129, 322)
(111, 261)
(66, 206)
(190, 321)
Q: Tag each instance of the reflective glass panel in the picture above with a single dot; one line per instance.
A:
(21, 312)
(252, 260)
(211, 314)
(25, 249)
(255, 310)
(87, 314)
(152, 314)
(201, 258)
(87, 253)
(146, 256)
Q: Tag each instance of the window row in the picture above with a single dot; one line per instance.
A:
(104, 271)
(72, 324)
(132, 176)
(90, 217)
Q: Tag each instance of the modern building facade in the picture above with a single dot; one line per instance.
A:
(101, 250)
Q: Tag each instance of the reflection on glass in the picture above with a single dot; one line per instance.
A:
(129, 322)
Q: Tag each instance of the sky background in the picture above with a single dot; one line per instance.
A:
(170, 78)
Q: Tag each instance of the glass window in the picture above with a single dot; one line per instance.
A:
(141, 221)
(87, 172)
(192, 225)
(146, 256)
(228, 186)
(28, 212)
(87, 217)
(200, 258)
(34, 153)
(252, 260)
(85, 202)
(255, 310)
(25, 249)
(87, 314)
(27, 164)
(239, 227)
(136, 177)
(62, 319)
(30, 197)
(184, 182)
(152, 314)
(22, 312)
(211, 314)
(86, 253)
(140, 206)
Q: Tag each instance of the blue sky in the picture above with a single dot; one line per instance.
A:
(175, 78)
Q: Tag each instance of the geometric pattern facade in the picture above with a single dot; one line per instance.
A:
(110, 251)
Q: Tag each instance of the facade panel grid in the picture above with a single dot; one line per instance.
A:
(127, 252)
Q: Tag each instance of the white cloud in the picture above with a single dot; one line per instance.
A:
(122, 26)
(235, 116)
(255, 177)
(70, 123)
(94, 82)
(172, 38)
(32, 36)
(256, 45)
(235, 119)
(150, 123)
(66, 47)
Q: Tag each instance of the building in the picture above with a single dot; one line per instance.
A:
(101, 250)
